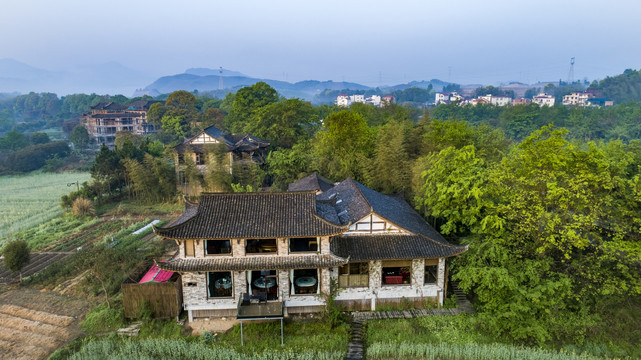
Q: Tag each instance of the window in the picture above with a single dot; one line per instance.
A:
(200, 159)
(397, 273)
(430, 274)
(263, 282)
(304, 281)
(303, 245)
(189, 247)
(353, 275)
(216, 247)
(259, 246)
(181, 159)
(181, 178)
(219, 284)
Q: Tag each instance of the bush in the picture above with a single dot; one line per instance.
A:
(82, 207)
(16, 255)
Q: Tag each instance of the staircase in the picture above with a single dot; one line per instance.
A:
(355, 345)
(461, 300)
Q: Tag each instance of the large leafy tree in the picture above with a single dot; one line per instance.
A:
(559, 232)
(343, 147)
(246, 101)
(283, 123)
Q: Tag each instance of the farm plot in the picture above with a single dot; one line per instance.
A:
(34, 324)
(38, 262)
(30, 200)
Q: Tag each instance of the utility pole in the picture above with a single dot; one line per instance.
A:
(220, 78)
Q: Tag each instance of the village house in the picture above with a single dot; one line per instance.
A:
(446, 98)
(200, 150)
(577, 98)
(544, 99)
(279, 252)
(108, 118)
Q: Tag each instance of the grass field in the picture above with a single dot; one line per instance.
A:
(29, 200)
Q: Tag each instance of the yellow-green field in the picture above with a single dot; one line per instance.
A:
(30, 200)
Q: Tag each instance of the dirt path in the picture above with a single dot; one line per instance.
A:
(34, 324)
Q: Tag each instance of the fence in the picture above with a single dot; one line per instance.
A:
(165, 299)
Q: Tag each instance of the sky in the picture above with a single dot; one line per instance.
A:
(368, 42)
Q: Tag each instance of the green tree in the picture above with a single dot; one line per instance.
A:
(13, 140)
(80, 137)
(246, 101)
(39, 138)
(16, 256)
(283, 123)
(288, 165)
(390, 170)
(343, 147)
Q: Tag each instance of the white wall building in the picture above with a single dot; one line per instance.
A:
(543, 99)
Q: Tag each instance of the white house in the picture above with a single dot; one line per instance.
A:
(543, 99)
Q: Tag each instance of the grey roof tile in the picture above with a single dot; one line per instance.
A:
(259, 262)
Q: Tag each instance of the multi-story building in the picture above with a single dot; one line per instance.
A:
(496, 100)
(108, 118)
(282, 250)
(577, 98)
(200, 151)
(446, 98)
(544, 99)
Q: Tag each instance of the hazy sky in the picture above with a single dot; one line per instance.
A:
(369, 42)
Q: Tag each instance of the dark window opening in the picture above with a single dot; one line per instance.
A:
(200, 159)
(214, 247)
(263, 282)
(181, 178)
(304, 281)
(303, 244)
(219, 284)
(259, 246)
(430, 274)
(181, 159)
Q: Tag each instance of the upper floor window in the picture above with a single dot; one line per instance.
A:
(200, 159)
(303, 244)
(181, 159)
(259, 246)
(216, 247)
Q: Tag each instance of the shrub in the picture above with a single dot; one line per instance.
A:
(16, 255)
(82, 207)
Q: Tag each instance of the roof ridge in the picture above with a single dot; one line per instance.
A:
(371, 208)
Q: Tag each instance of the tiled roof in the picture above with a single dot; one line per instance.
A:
(244, 143)
(358, 200)
(191, 208)
(311, 182)
(253, 216)
(392, 247)
(108, 105)
(258, 262)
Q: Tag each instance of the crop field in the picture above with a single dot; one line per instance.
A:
(34, 324)
(29, 200)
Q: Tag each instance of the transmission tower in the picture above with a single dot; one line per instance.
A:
(571, 73)
(220, 78)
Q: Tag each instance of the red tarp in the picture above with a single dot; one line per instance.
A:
(156, 274)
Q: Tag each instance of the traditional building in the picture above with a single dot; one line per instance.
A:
(108, 118)
(287, 248)
(237, 148)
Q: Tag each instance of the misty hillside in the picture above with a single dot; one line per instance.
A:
(190, 81)
(105, 78)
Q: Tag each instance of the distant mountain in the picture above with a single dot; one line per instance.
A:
(207, 72)
(437, 85)
(189, 81)
(107, 78)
